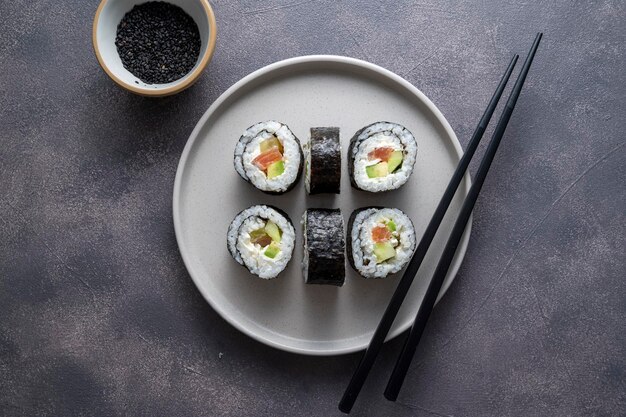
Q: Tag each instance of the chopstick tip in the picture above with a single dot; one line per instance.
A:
(390, 394)
(345, 405)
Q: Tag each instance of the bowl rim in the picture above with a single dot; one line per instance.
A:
(160, 92)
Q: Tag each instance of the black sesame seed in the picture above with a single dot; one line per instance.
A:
(158, 42)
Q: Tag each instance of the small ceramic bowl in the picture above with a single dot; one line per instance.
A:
(109, 15)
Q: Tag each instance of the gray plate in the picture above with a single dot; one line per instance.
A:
(304, 92)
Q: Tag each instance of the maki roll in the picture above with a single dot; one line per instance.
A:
(268, 155)
(381, 157)
(324, 246)
(323, 161)
(381, 241)
(262, 239)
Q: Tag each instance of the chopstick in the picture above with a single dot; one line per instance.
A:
(367, 361)
(404, 360)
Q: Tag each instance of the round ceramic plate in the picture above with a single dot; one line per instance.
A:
(307, 92)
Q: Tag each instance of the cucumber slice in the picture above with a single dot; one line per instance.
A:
(383, 251)
(275, 169)
(391, 226)
(273, 231)
(270, 143)
(378, 170)
(255, 234)
(271, 251)
(395, 160)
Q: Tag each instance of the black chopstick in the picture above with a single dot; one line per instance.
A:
(364, 367)
(404, 360)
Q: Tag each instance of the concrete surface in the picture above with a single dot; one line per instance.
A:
(98, 316)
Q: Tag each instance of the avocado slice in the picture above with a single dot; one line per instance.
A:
(271, 251)
(275, 169)
(391, 226)
(273, 231)
(383, 251)
(270, 143)
(378, 170)
(260, 237)
(395, 160)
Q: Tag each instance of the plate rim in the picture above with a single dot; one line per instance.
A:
(463, 245)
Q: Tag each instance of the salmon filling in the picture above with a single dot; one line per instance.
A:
(271, 160)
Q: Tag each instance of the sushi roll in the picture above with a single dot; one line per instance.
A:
(381, 157)
(262, 239)
(268, 155)
(322, 172)
(324, 246)
(381, 241)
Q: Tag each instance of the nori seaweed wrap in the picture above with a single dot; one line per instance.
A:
(324, 247)
(381, 241)
(262, 238)
(349, 248)
(269, 156)
(323, 161)
(381, 157)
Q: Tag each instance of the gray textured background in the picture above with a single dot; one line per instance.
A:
(99, 317)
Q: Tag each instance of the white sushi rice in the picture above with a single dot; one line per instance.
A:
(248, 148)
(307, 166)
(251, 255)
(363, 245)
(262, 128)
(378, 135)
